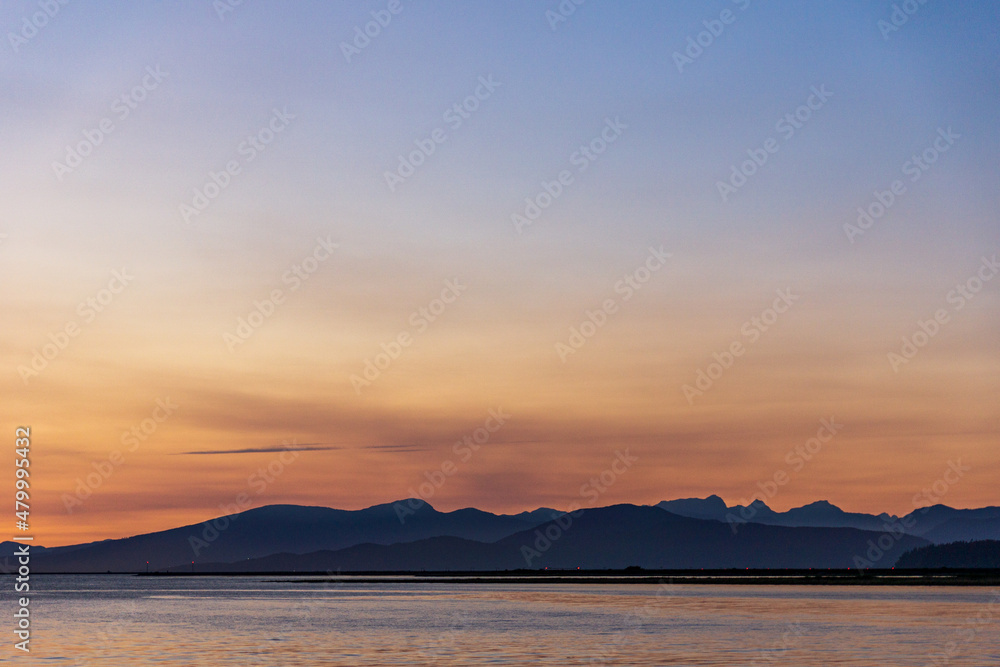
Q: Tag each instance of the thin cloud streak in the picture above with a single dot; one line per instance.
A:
(318, 447)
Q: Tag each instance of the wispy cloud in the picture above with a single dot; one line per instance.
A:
(400, 448)
(306, 447)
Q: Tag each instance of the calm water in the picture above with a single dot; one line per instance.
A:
(113, 620)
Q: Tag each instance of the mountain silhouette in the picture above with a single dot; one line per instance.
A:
(712, 507)
(981, 554)
(283, 528)
(411, 535)
(938, 524)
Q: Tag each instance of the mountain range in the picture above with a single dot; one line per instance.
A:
(412, 535)
(938, 524)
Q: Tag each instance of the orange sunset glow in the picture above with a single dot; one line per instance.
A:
(270, 283)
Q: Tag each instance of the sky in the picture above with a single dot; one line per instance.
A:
(342, 254)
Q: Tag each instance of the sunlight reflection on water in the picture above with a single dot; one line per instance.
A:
(121, 620)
